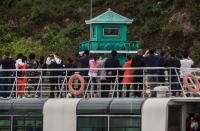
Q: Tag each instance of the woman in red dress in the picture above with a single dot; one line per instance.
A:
(128, 75)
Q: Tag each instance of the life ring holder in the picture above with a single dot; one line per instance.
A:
(71, 89)
(187, 84)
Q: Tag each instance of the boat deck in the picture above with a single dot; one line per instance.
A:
(150, 85)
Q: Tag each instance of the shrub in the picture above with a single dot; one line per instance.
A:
(24, 3)
(39, 14)
(170, 31)
(178, 3)
(25, 46)
(73, 31)
(196, 55)
(9, 3)
(195, 16)
(8, 33)
(151, 26)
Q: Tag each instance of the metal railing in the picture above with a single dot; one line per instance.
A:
(144, 82)
(107, 45)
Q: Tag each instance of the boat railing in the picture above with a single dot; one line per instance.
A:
(138, 82)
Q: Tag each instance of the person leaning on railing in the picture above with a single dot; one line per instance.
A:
(103, 76)
(21, 77)
(7, 63)
(138, 61)
(93, 63)
(33, 64)
(161, 63)
(70, 64)
(173, 61)
(128, 76)
(83, 60)
(152, 79)
(111, 63)
(84, 63)
(186, 62)
(54, 62)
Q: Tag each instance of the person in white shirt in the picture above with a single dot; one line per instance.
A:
(19, 59)
(54, 62)
(186, 63)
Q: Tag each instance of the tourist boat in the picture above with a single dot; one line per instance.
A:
(85, 113)
(100, 114)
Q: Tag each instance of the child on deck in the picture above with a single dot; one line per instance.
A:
(22, 80)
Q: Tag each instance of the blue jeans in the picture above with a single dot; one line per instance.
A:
(152, 83)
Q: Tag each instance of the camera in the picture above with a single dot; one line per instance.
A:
(51, 56)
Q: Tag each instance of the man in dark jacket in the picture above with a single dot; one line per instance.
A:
(69, 73)
(161, 63)
(111, 63)
(173, 62)
(138, 61)
(7, 63)
(84, 62)
(152, 61)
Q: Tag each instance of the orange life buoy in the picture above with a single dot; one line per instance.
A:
(71, 89)
(195, 90)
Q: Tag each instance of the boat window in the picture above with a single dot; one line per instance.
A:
(5, 123)
(93, 106)
(174, 118)
(126, 106)
(111, 31)
(27, 124)
(125, 123)
(92, 123)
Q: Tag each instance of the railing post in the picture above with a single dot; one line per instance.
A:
(178, 76)
(143, 82)
(16, 83)
(170, 83)
(117, 82)
(66, 91)
(41, 84)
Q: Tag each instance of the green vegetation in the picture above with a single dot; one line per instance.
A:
(46, 26)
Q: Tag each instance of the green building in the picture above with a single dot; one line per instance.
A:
(108, 32)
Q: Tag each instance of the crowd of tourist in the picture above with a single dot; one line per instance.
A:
(150, 59)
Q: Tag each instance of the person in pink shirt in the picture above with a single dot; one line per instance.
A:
(93, 63)
(128, 74)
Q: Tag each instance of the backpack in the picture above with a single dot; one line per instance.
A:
(33, 66)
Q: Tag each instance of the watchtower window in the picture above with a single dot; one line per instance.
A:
(111, 31)
(94, 32)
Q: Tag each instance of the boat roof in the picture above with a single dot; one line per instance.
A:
(21, 106)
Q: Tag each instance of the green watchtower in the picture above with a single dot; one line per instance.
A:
(108, 32)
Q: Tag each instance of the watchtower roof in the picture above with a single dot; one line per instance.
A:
(109, 17)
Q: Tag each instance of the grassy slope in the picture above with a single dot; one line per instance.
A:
(158, 23)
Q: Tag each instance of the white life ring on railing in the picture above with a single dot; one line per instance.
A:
(195, 90)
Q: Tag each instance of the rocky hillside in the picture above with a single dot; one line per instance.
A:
(44, 26)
